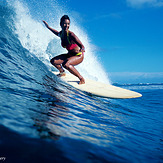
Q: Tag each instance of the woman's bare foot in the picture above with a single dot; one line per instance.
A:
(82, 81)
(61, 74)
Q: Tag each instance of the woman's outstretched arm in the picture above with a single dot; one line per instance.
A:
(51, 29)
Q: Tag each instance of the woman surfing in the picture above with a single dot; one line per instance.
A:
(74, 46)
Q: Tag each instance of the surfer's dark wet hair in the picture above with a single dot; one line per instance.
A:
(63, 18)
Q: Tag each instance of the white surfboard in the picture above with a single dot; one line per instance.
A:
(98, 88)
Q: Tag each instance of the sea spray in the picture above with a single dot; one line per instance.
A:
(36, 38)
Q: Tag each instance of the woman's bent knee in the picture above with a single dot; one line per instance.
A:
(52, 61)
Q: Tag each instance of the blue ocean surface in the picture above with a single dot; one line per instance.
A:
(43, 119)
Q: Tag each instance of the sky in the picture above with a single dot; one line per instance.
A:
(128, 33)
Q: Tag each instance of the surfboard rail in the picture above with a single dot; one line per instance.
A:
(99, 89)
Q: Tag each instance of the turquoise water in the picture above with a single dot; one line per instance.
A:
(45, 120)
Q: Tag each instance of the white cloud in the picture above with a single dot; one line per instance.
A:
(142, 3)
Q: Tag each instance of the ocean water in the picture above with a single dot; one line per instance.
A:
(42, 119)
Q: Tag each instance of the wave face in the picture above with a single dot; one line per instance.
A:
(42, 119)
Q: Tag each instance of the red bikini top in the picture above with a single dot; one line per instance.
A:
(70, 46)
